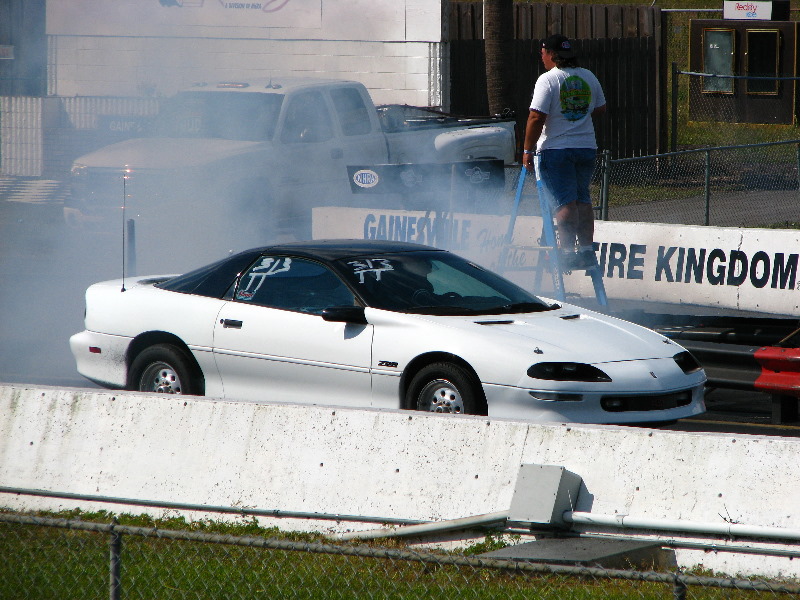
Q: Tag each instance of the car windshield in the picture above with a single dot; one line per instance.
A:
(226, 115)
(435, 283)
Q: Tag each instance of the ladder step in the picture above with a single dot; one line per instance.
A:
(549, 237)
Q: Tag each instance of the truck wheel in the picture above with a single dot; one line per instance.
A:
(445, 388)
(165, 369)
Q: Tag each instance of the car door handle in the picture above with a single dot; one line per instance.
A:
(231, 323)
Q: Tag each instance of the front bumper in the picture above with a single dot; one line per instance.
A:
(519, 403)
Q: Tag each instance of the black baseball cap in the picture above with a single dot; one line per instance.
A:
(560, 45)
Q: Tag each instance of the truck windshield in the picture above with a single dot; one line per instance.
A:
(225, 115)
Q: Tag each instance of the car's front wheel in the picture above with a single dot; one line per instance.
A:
(165, 369)
(446, 388)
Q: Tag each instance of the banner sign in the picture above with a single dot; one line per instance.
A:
(754, 270)
(475, 176)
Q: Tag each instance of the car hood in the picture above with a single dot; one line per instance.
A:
(165, 153)
(573, 335)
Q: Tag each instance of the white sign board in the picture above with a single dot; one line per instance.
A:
(201, 18)
(761, 11)
(267, 20)
(721, 267)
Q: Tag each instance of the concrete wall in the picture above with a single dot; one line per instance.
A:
(383, 463)
(395, 47)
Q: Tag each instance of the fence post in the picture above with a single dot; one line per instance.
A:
(673, 142)
(797, 160)
(605, 182)
(115, 585)
(679, 587)
(708, 187)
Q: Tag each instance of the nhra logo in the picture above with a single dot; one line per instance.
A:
(366, 178)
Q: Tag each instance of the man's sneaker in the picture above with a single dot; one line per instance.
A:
(568, 261)
(585, 260)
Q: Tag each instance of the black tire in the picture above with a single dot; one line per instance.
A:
(446, 388)
(165, 369)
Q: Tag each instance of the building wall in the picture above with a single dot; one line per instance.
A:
(395, 47)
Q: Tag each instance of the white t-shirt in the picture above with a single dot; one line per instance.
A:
(567, 97)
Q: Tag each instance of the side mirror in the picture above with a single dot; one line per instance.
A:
(345, 314)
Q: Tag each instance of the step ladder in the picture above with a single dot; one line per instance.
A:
(549, 245)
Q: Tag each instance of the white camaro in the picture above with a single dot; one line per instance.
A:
(380, 324)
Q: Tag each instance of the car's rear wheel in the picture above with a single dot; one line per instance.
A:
(165, 369)
(446, 388)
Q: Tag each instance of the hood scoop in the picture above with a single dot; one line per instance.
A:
(496, 322)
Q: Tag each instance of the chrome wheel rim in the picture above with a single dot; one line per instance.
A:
(160, 378)
(441, 396)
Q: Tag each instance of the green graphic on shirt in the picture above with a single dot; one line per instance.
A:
(576, 96)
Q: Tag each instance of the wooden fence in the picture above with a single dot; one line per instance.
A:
(622, 45)
(578, 21)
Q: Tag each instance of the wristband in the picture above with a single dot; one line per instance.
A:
(528, 151)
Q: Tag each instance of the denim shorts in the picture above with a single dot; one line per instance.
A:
(567, 173)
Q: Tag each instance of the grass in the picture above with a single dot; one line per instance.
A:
(44, 563)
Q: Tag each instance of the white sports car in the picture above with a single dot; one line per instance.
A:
(380, 324)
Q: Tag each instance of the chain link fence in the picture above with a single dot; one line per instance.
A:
(720, 172)
(751, 185)
(45, 557)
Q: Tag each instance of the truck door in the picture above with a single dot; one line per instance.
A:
(305, 164)
(362, 140)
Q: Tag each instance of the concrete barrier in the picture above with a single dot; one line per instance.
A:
(384, 463)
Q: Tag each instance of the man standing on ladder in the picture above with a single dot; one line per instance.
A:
(560, 136)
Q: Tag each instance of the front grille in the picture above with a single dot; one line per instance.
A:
(101, 193)
(644, 403)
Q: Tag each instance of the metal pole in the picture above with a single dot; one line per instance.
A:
(606, 183)
(673, 143)
(679, 587)
(115, 585)
(131, 244)
(708, 187)
(428, 528)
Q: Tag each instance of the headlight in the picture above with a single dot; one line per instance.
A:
(567, 372)
(77, 182)
(687, 362)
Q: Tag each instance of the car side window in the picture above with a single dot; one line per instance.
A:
(352, 111)
(307, 120)
(291, 283)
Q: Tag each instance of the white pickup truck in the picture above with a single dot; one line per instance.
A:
(244, 162)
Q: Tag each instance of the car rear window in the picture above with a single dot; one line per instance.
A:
(213, 280)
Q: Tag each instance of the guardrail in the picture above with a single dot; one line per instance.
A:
(780, 377)
(749, 354)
